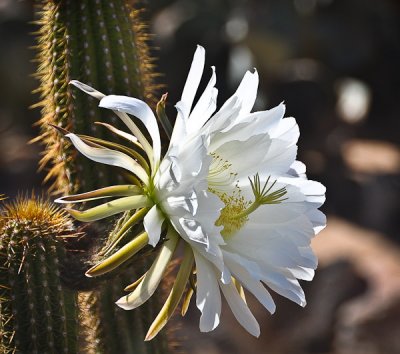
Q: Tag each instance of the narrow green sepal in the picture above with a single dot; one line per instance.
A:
(134, 285)
(133, 220)
(162, 115)
(146, 288)
(175, 295)
(111, 191)
(111, 208)
(135, 154)
(119, 257)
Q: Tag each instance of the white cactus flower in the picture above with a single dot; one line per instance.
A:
(229, 187)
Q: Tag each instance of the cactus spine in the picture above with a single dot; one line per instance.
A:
(37, 314)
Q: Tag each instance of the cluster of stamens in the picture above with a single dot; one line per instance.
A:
(237, 209)
(220, 173)
(235, 204)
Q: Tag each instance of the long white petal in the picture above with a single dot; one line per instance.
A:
(152, 224)
(245, 157)
(263, 122)
(318, 220)
(179, 132)
(247, 91)
(205, 106)
(123, 116)
(87, 89)
(152, 278)
(240, 270)
(284, 283)
(109, 157)
(122, 134)
(192, 81)
(208, 298)
(239, 309)
(140, 110)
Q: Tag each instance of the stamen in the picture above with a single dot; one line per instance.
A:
(237, 209)
(262, 196)
(220, 173)
(235, 204)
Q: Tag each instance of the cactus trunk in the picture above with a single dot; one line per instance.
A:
(101, 43)
(37, 313)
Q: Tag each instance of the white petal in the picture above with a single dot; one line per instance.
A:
(249, 125)
(241, 270)
(192, 81)
(237, 106)
(179, 132)
(298, 169)
(152, 278)
(247, 91)
(266, 121)
(140, 110)
(245, 156)
(183, 168)
(152, 224)
(109, 157)
(87, 89)
(303, 273)
(205, 106)
(283, 283)
(240, 309)
(224, 118)
(307, 252)
(269, 246)
(208, 297)
(122, 134)
(124, 117)
(194, 230)
(318, 220)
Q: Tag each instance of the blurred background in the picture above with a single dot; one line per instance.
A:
(335, 63)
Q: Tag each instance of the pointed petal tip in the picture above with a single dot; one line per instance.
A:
(200, 48)
(123, 304)
(148, 337)
(90, 271)
(87, 89)
(61, 130)
(153, 331)
(205, 327)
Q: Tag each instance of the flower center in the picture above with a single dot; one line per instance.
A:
(235, 214)
(232, 216)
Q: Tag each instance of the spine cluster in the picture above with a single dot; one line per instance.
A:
(37, 313)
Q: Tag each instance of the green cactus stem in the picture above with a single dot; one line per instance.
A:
(37, 313)
(98, 42)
